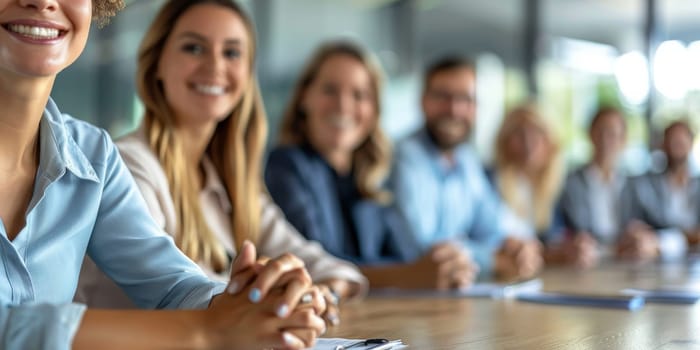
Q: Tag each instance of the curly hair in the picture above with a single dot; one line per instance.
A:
(103, 10)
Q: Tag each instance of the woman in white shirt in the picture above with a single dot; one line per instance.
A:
(197, 156)
(529, 174)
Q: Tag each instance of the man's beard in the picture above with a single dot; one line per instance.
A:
(447, 133)
(675, 161)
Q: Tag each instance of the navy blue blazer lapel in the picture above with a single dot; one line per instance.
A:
(323, 189)
(370, 229)
(586, 209)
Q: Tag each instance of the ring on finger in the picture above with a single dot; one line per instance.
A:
(332, 297)
(307, 298)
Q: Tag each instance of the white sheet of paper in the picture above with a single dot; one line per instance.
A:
(478, 290)
(332, 343)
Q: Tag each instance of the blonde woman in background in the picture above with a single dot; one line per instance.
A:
(197, 156)
(528, 173)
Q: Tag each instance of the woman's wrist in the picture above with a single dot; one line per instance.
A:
(204, 334)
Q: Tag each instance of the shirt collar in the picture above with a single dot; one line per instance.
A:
(58, 149)
(438, 156)
(213, 184)
(595, 174)
(619, 171)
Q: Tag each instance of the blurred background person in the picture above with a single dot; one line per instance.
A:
(659, 206)
(439, 182)
(328, 172)
(591, 197)
(528, 174)
(197, 156)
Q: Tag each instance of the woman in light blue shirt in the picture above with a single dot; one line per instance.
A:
(66, 193)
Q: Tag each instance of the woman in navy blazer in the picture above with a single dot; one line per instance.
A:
(327, 176)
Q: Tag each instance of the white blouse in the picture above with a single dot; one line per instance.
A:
(603, 200)
(277, 236)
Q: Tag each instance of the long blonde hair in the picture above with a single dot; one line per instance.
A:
(372, 159)
(236, 147)
(546, 186)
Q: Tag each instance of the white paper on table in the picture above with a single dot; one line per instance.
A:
(333, 343)
(478, 290)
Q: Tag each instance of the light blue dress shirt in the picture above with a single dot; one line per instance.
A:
(85, 200)
(447, 202)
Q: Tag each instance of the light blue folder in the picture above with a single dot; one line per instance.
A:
(665, 296)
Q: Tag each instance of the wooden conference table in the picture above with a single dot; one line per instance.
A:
(434, 323)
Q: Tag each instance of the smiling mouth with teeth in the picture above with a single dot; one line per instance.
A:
(342, 122)
(32, 32)
(215, 90)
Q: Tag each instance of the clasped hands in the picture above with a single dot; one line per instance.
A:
(268, 304)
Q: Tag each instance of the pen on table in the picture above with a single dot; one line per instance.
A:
(373, 341)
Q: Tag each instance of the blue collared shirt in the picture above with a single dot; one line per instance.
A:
(447, 202)
(85, 200)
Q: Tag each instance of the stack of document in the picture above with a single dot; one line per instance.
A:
(629, 302)
(358, 344)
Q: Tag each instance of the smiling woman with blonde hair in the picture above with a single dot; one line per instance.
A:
(197, 156)
(371, 159)
(234, 147)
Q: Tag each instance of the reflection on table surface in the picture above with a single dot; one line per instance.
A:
(481, 323)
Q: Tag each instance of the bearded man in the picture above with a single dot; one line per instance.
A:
(439, 183)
